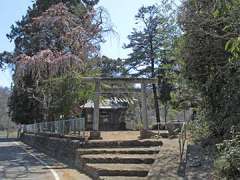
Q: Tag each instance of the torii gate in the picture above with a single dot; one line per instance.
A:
(95, 134)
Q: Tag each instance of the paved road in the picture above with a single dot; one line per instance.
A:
(21, 162)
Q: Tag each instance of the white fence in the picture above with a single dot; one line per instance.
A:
(74, 126)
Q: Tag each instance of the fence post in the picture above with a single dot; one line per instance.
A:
(74, 126)
(33, 126)
(79, 126)
(83, 126)
(63, 127)
(58, 131)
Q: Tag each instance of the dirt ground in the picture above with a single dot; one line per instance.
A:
(120, 135)
(167, 163)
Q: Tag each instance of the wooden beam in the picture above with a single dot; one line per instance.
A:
(120, 91)
(121, 80)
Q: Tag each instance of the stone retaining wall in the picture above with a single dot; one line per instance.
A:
(62, 149)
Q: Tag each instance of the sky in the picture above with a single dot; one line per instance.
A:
(121, 12)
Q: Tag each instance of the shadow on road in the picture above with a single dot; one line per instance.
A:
(8, 139)
(16, 162)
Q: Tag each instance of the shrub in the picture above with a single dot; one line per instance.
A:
(227, 165)
(199, 130)
(139, 126)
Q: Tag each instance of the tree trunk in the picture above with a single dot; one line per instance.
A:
(140, 111)
(156, 103)
(155, 96)
(184, 115)
(165, 113)
(45, 108)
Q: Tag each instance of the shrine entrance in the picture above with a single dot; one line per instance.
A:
(128, 88)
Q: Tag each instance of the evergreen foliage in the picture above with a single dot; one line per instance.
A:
(208, 34)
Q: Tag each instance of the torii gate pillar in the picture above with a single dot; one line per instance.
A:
(96, 134)
(144, 107)
(144, 133)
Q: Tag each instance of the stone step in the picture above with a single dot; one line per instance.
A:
(122, 178)
(119, 144)
(103, 169)
(119, 158)
(139, 150)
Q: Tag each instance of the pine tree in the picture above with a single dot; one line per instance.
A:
(151, 43)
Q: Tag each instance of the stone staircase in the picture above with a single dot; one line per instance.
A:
(123, 160)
